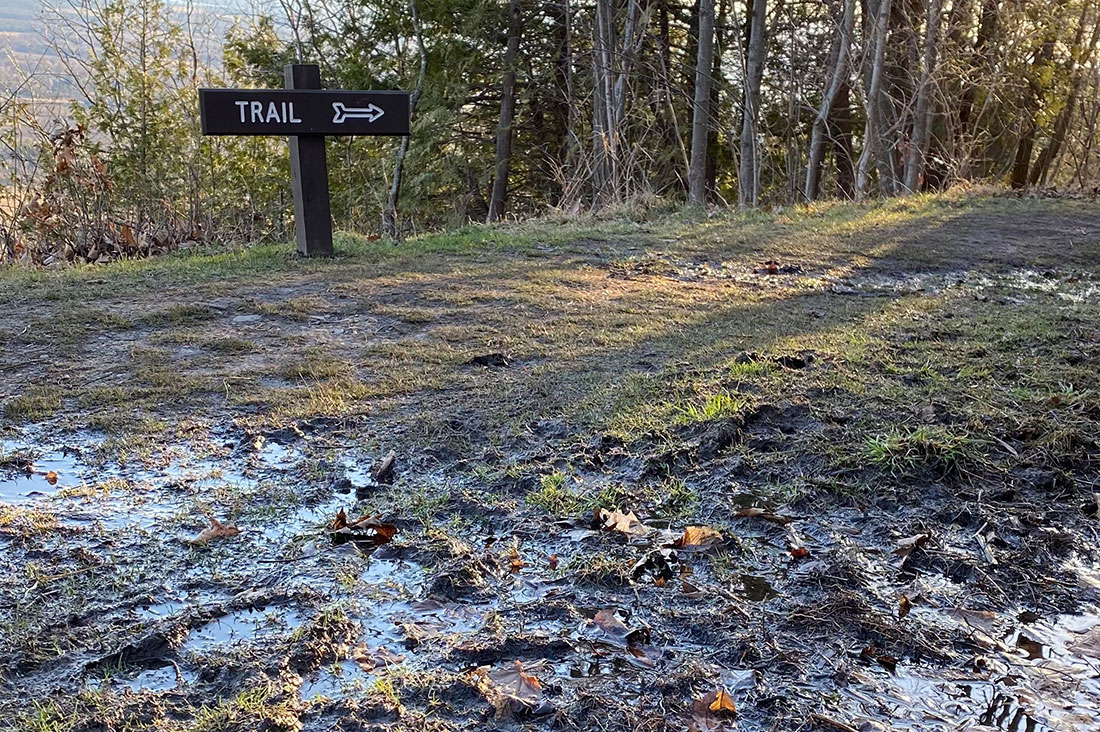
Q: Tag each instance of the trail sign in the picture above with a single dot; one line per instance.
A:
(305, 113)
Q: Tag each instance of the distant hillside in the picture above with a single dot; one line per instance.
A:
(22, 48)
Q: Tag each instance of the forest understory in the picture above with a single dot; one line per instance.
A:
(828, 469)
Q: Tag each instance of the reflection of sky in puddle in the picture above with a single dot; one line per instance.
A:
(157, 679)
(242, 625)
(1038, 676)
(335, 681)
(18, 486)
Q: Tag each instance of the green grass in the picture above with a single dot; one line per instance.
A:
(903, 450)
(555, 496)
(35, 404)
(712, 407)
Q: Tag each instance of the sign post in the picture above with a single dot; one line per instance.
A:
(306, 114)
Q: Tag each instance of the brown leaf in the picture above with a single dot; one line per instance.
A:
(216, 530)
(624, 523)
(552, 563)
(369, 660)
(609, 622)
(708, 711)
(340, 522)
(870, 653)
(799, 552)
(908, 545)
(904, 606)
(509, 690)
(698, 536)
(515, 562)
(51, 477)
(366, 528)
(755, 512)
(384, 471)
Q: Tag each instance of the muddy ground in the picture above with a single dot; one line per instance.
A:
(642, 479)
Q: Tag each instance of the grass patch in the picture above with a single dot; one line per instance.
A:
(902, 451)
(228, 345)
(712, 407)
(36, 404)
(183, 314)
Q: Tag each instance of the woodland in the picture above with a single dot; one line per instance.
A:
(525, 107)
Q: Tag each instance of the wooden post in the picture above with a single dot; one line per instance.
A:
(309, 175)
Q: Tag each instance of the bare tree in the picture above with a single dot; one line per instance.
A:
(748, 178)
(507, 113)
(871, 104)
(700, 125)
(837, 77)
(389, 214)
(922, 112)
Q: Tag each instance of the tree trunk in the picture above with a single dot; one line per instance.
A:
(871, 130)
(836, 78)
(1077, 60)
(389, 213)
(922, 113)
(841, 131)
(700, 123)
(748, 174)
(1036, 90)
(507, 114)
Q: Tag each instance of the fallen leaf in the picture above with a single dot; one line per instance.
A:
(616, 520)
(870, 653)
(765, 514)
(384, 471)
(51, 477)
(799, 552)
(216, 530)
(910, 544)
(369, 660)
(552, 563)
(698, 536)
(609, 622)
(511, 691)
(515, 563)
(904, 606)
(709, 710)
(366, 528)
(660, 564)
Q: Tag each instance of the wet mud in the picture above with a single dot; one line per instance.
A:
(657, 571)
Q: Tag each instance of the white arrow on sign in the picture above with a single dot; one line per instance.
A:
(340, 113)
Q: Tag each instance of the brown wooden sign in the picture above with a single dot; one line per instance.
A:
(307, 114)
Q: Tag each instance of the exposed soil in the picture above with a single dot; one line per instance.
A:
(641, 481)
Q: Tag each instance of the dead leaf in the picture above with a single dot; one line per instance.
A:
(369, 660)
(910, 544)
(800, 552)
(552, 563)
(661, 565)
(711, 709)
(511, 691)
(216, 530)
(616, 520)
(384, 471)
(904, 606)
(698, 536)
(870, 653)
(367, 529)
(515, 563)
(51, 477)
(609, 622)
(765, 514)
